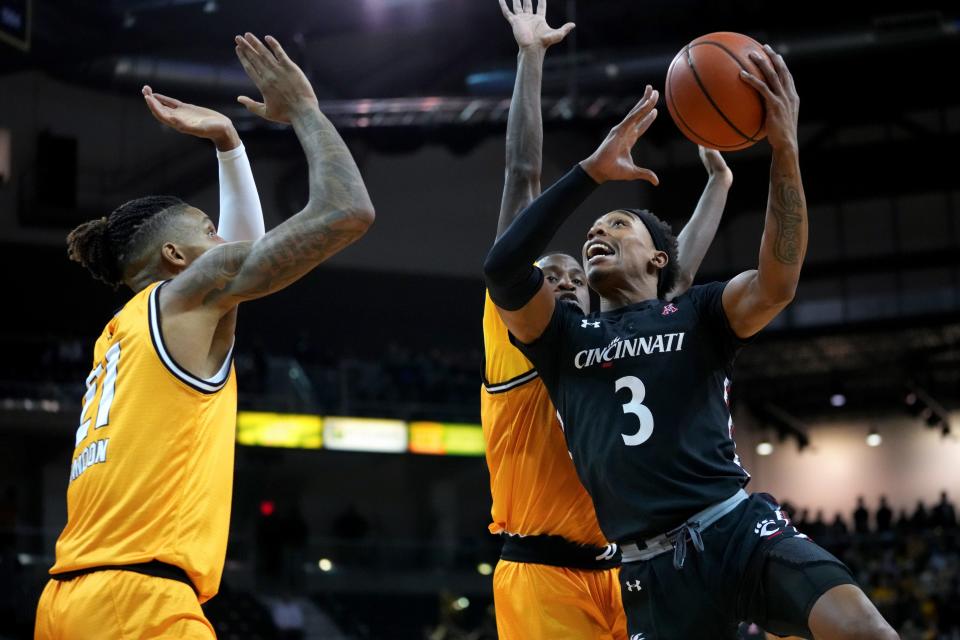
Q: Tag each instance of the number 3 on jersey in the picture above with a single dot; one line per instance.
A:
(106, 397)
(637, 393)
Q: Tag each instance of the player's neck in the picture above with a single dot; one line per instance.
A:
(626, 294)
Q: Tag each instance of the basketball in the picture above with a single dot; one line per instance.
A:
(706, 97)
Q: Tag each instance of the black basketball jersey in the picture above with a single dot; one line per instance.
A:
(643, 396)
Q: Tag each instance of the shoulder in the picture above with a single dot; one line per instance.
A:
(703, 297)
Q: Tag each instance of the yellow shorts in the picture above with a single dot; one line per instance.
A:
(120, 605)
(535, 601)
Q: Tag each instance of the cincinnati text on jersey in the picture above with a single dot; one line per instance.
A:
(617, 349)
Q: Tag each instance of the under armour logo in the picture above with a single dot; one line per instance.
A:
(670, 308)
(634, 586)
(637, 636)
(586, 323)
(611, 549)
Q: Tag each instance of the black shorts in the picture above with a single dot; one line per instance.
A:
(754, 566)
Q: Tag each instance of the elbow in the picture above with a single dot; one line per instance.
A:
(782, 296)
(491, 267)
(519, 172)
(363, 216)
(496, 267)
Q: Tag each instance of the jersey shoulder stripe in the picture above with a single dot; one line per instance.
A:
(208, 386)
(513, 383)
(503, 363)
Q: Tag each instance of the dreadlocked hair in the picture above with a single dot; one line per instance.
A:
(670, 274)
(104, 246)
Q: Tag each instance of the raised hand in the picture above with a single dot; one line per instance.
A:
(780, 95)
(530, 29)
(715, 165)
(613, 160)
(284, 86)
(192, 120)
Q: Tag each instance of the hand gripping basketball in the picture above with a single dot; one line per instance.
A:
(613, 159)
(780, 96)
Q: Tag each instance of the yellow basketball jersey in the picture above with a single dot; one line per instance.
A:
(152, 471)
(532, 478)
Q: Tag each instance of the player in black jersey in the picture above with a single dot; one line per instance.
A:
(642, 391)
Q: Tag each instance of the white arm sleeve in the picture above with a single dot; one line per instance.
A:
(241, 217)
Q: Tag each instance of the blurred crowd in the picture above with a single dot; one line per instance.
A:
(401, 381)
(908, 563)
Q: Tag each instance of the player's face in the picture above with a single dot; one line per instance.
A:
(197, 234)
(566, 280)
(618, 249)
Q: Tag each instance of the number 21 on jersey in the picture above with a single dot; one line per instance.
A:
(99, 415)
(635, 407)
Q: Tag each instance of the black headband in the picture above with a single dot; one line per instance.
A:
(659, 239)
(653, 226)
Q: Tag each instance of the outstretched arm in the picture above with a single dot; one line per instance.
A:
(754, 298)
(338, 211)
(517, 287)
(525, 120)
(241, 217)
(697, 235)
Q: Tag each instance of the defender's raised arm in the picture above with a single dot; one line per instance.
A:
(338, 212)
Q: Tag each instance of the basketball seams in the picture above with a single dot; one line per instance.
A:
(706, 94)
(743, 66)
(675, 110)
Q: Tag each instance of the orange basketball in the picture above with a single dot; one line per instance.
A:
(706, 97)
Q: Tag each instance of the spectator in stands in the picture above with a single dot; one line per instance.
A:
(884, 516)
(944, 515)
(839, 527)
(903, 522)
(818, 528)
(861, 518)
(921, 519)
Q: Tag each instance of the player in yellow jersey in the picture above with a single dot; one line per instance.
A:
(557, 576)
(148, 504)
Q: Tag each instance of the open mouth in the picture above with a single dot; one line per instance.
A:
(569, 297)
(597, 250)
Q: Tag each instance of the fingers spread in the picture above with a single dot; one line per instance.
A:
(542, 7)
(645, 122)
(528, 6)
(770, 75)
(505, 10)
(246, 61)
(517, 7)
(640, 173)
(757, 84)
(258, 46)
(786, 78)
(252, 105)
(278, 51)
(643, 108)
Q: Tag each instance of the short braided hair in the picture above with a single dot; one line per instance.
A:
(106, 245)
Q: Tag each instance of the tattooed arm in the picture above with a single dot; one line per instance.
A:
(754, 298)
(338, 211)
